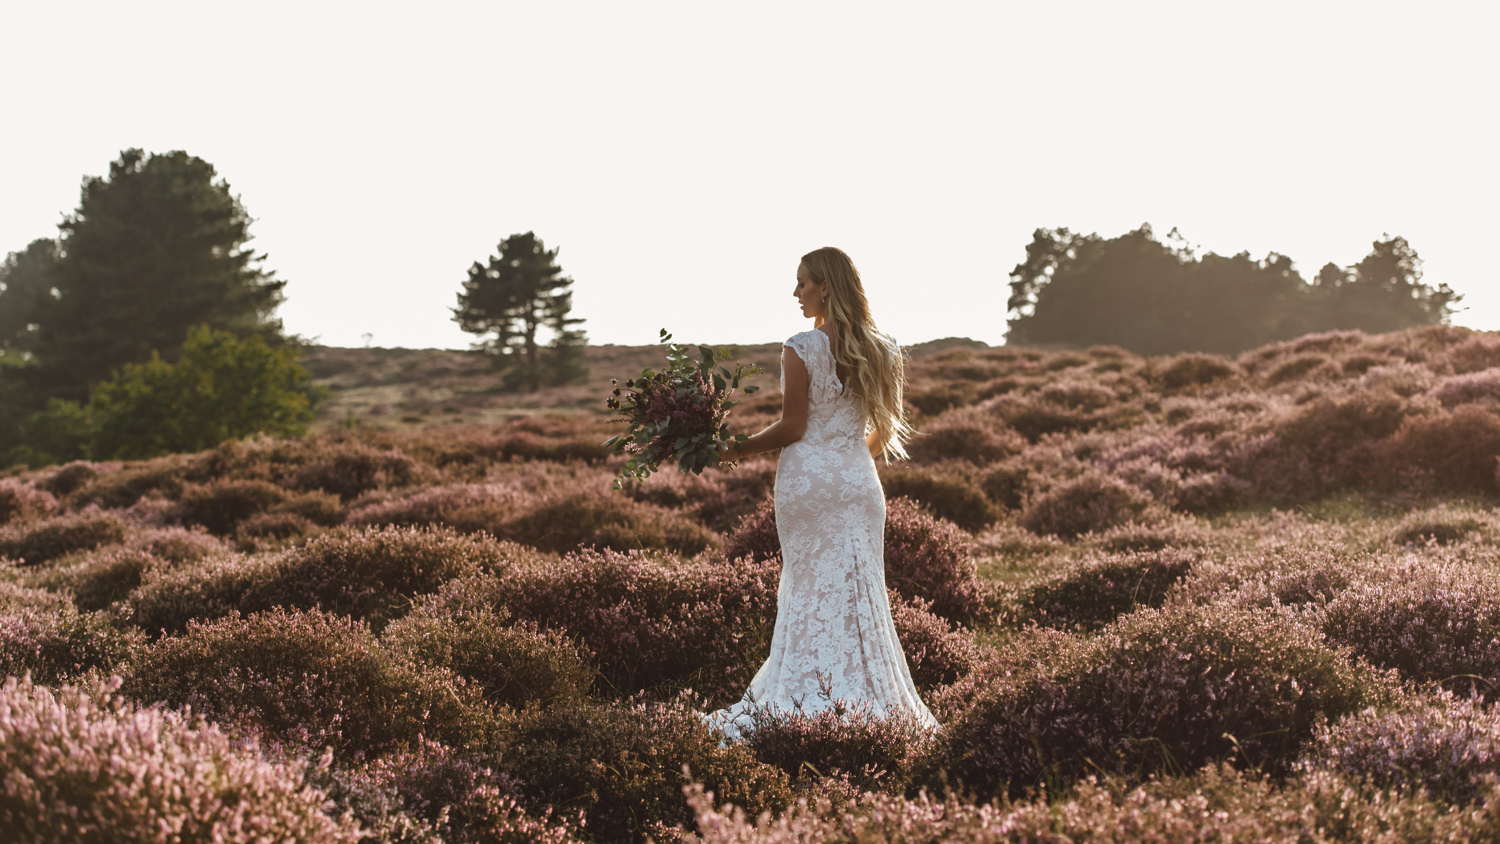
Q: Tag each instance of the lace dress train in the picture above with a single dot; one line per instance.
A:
(834, 638)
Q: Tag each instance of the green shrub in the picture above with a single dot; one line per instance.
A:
(308, 679)
(515, 665)
(221, 388)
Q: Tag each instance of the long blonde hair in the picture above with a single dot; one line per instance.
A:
(874, 366)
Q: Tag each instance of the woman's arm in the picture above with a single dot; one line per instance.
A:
(793, 422)
(873, 441)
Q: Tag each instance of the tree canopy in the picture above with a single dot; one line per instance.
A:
(154, 248)
(26, 279)
(1152, 297)
(509, 299)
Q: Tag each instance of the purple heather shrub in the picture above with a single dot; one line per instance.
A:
(81, 766)
(559, 519)
(21, 501)
(946, 491)
(1321, 447)
(1431, 622)
(621, 765)
(1481, 387)
(1077, 394)
(1179, 532)
(515, 664)
(966, 434)
(755, 537)
(876, 752)
(1007, 483)
(1447, 452)
(1478, 352)
(371, 574)
(938, 652)
(932, 559)
(267, 531)
(1297, 368)
(220, 505)
(1215, 804)
(1091, 593)
(436, 793)
(1191, 371)
(1446, 746)
(651, 620)
(353, 468)
(102, 577)
(1160, 690)
(1403, 379)
(35, 543)
(719, 500)
(123, 486)
(1444, 525)
(179, 545)
(308, 680)
(1090, 502)
(54, 645)
(69, 478)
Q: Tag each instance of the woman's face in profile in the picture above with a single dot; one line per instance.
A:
(809, 294)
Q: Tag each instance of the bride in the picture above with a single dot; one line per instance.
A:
(841, 405)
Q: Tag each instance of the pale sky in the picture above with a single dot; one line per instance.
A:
(684, 155)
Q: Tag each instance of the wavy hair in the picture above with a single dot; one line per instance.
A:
(874, 366)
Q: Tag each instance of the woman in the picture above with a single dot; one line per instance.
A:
(841, 405)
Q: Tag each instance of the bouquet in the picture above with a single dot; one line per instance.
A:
(677, 414)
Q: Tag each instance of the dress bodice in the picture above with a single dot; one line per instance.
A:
(833, 416)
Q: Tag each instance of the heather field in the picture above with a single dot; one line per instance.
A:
(1174, 599)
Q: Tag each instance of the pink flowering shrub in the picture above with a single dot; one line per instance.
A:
(55, 644)
(651, 620)
(1217, 803)
(1192, 370)
(34, 543)
(515, 664)
(1449, 452)
(434, 792)
(103, 577)
(755, 537)
(370, 574)
(222, 504)
(932, 560)
(877, 752)
(947, 493)
(1444, 525)
(559, 519)
(937, 651)
(620, 765)
(719, 500)
(1403, 379)
(1444, 745)
(178, 545)
(1007, 484)
(1432, 623)
(1322, 447)
(1095, 591)
(1160, 690)
(81, 766)
(967, 434)
(350, 469)
(308, 679)
(1091, 502)
(1481, 387)
(20, 501)
(125, 486)
(69, 478)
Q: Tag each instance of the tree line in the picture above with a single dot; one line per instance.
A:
(147, 326)
(1157, 298)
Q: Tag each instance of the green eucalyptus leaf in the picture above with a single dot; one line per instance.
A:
(750, 388)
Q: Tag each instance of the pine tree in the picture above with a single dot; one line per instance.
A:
(509, 300)
(154, 249)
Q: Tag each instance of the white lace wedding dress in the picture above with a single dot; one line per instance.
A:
(834, 638)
